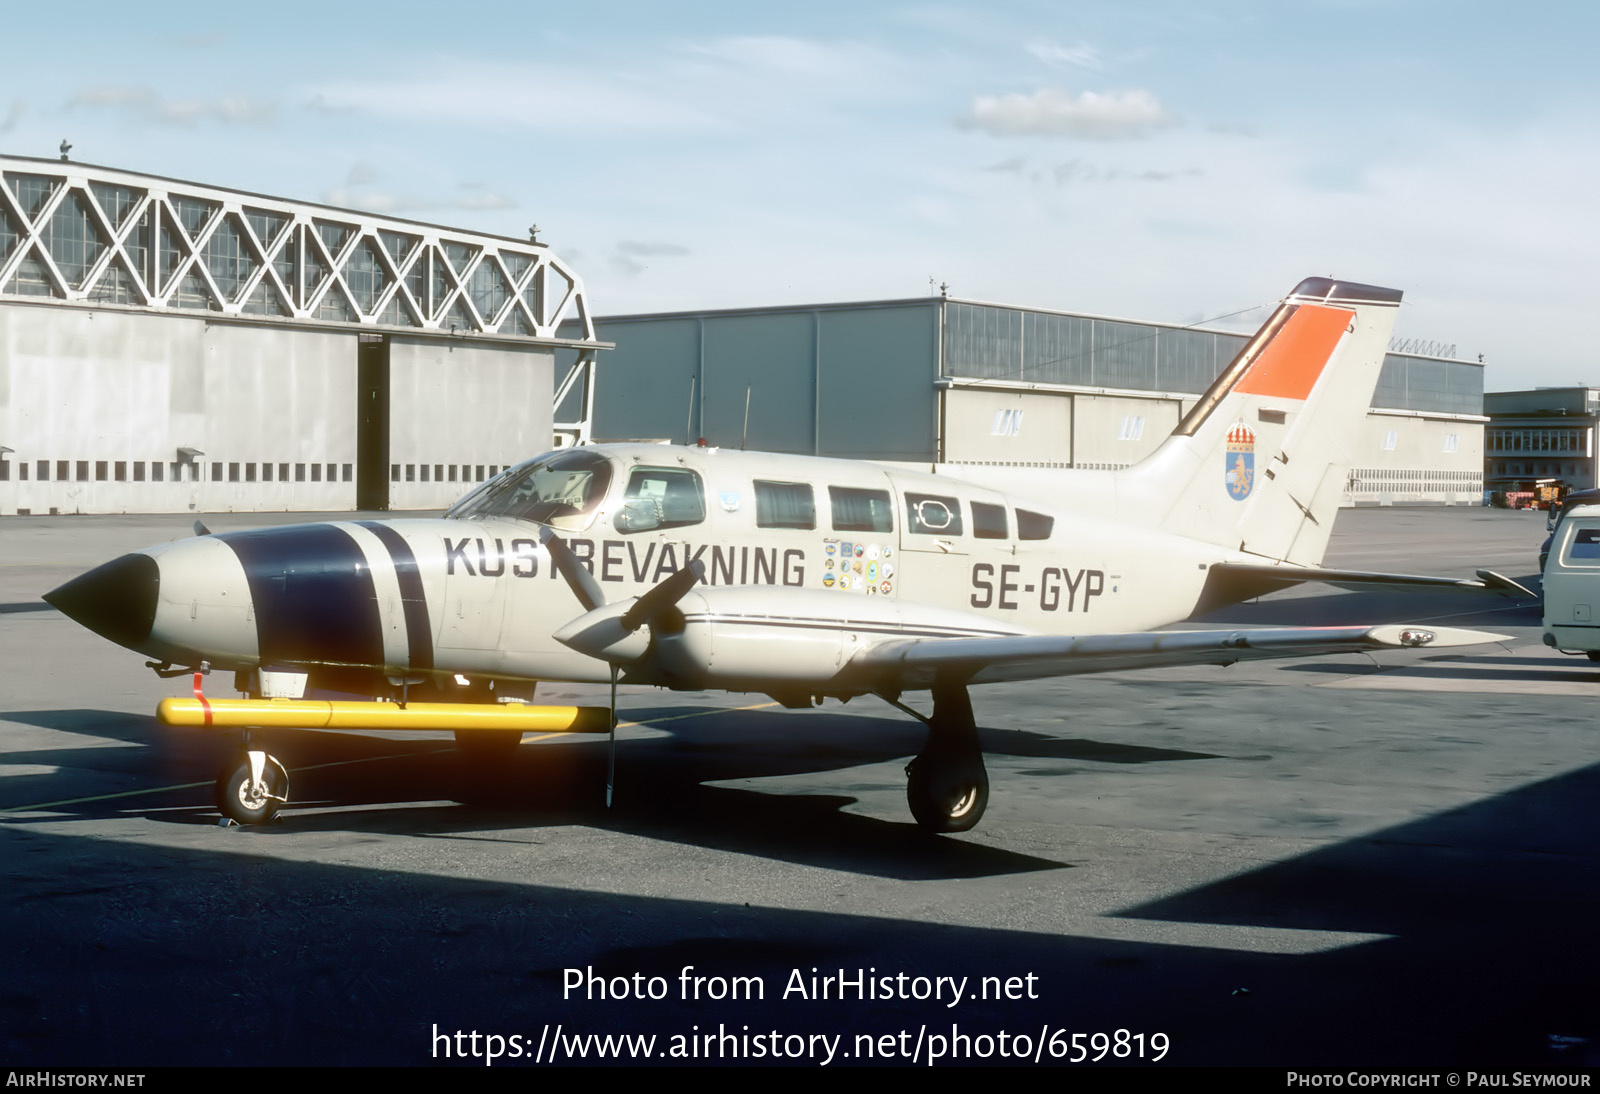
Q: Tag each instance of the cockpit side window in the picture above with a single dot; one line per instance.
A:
(931, 515)
(988, 521)
(1034, 525)
(785, 505)
(661, 497)
(561, 490)
(858, 510)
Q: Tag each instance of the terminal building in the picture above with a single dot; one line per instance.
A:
(1541, 436)
(167, 346)
(937, 379)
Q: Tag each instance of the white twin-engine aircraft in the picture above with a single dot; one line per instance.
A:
(798, 577)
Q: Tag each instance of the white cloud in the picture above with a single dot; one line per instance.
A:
(1050, 112)
(145, 104)
(1081, 55)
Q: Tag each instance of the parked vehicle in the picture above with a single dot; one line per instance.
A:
(1572, 583)
(1557, 511)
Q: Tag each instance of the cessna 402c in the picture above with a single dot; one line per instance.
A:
(798, 577)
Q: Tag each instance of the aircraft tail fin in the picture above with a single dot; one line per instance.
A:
(1261, 461)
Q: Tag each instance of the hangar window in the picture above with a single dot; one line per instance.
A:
(988, 521)
(316, 472)
(348, 470)
(266, 472)
(157, 468)
(858, 510)
(426, 471)
(83, 470)
(562, 491)
(394, 472)
(250, 472)
(930, 515)
(5, 470)
(120, 471)
(1032, 525)
(138, 470)
(100, 471)
(438, 473)
(300, 472)
(233, 472)
(71, 239)
(42, 472)
(661, 497)
(785, 505)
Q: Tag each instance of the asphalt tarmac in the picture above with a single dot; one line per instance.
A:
(1344, 862)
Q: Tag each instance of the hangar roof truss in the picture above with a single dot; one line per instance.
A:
(94, 236)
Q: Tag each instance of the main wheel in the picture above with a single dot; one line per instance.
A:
(245, 802)
(1594, 655)
(946, 798)
(487, 745)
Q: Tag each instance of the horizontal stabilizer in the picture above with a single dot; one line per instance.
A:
(1284, 576)
(917, 663)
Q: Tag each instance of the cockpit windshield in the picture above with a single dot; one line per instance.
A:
(562, 490)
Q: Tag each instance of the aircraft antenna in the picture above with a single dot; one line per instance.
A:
(745, 440)
(688, 422)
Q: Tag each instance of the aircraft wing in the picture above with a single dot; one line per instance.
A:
(1279, 577)
(915, 663)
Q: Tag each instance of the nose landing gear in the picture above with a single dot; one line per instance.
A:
(252, 787)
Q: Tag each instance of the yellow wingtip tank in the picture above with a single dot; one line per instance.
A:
(323, 714)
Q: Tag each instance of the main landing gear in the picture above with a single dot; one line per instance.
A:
(946, 785)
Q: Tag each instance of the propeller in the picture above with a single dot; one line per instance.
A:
(614, 633)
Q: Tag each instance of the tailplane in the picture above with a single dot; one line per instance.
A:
(1260, 462)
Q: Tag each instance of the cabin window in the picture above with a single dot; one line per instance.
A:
(785, 505)
(661, 497)
(988, 521)
(931, 515)
(857, 510)
(1034, 525)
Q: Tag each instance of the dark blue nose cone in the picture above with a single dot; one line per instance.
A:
(116, 601)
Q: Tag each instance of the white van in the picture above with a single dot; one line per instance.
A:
(1572, 583)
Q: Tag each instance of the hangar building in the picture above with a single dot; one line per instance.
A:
(167, 346)
(937, 379)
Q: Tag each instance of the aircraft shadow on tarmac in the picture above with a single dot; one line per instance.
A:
(235, 958)
(661, 785)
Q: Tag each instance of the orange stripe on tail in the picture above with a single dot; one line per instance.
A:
(1291, 363)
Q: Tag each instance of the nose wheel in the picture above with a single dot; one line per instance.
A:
(250, 790)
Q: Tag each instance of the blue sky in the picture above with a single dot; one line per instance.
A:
(1159, 161)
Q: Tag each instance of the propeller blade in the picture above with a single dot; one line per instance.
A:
(579, 579)
(658, 600)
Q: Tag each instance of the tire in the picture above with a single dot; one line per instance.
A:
(239, 804)
(487, 745)
(1594, 655)
(946, 798)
